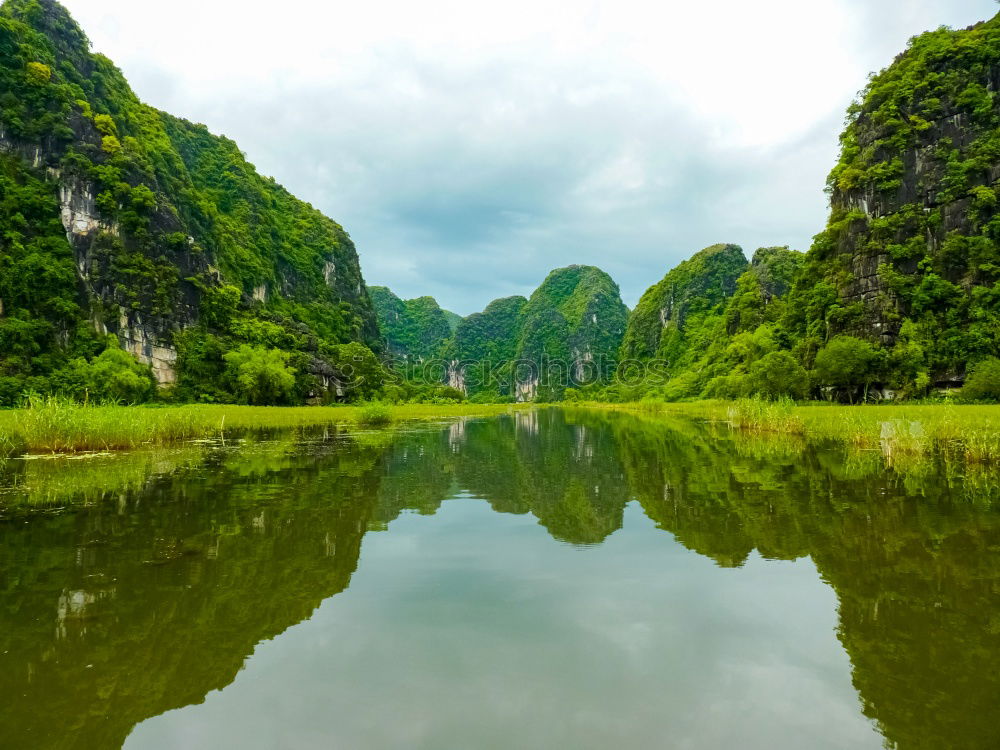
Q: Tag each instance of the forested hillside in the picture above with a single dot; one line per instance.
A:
(909, 262)
(125, 228)
(567, 334)
(142, 256)
(415, 330)
(898, 296)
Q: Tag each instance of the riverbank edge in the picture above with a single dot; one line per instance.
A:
(60, 427)
(970, 432)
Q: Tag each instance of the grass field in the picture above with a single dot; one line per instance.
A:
(969, 432)
(57, 426)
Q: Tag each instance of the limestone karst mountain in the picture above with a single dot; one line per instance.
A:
(120, 219)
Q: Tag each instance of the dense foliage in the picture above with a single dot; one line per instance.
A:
(899, 294)
(414, 330)
(570, 331)
(484, 345)
(567, 333)
(661, 324)
(173, 240)
(909, 260)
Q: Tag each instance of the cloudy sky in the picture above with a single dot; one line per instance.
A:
(471, 147)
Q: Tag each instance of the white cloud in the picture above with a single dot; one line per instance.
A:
(470, 147)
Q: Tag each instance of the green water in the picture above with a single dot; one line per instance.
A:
(546, 580)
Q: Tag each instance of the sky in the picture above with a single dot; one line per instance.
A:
(469, 147)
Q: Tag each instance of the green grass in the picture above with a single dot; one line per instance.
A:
(58, 426)
(967, 432)
(375, 415)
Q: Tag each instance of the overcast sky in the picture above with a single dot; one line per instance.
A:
(471, 147)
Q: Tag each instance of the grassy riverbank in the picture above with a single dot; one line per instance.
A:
(969, 432)
(57, 426)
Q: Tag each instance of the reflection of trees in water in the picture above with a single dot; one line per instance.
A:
(115, 613)
(155, 593)
(567, 476)
(914, 558)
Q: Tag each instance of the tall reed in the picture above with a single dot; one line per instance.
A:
(56, 425)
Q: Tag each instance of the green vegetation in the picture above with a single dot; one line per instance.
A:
(908, 261)
(374, 415)
(846, 362)
(983, 383)
(899, 296)
(966, 434)
(261, 375)
(666, 322)
(483, 347)
(415, 330)
(185, 245)
(706, 329)
(58, 425)
(569, 331)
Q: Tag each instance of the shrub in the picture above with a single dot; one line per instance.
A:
(105, 125)
(113, 376)
(360, 371)
(374, 414)
(727, 387)
(111, 145)
(983, 382)
(116, 376)
(143, 199)
(682, 386)
(260, 376)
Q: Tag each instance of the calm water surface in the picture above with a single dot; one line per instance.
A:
(545, 580)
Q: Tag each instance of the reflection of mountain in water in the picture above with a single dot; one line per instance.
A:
(124, 610)
(154, 595)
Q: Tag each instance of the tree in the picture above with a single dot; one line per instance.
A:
(39, 73)
(114, 375)
(360, 372)
(260, 376)
(727, 387)
(778, 374)
(847, 362)
(117, 375)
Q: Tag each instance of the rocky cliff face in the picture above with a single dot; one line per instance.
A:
(694, 289)
(165, 227)
(910, 254)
